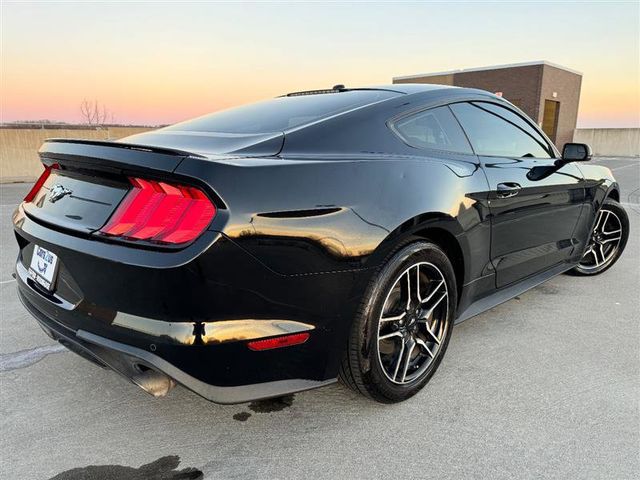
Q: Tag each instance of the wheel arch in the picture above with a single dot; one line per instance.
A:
(439, 228)
(613, 193)
(451, 247)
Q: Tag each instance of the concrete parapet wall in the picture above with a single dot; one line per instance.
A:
(612, 142)
(19, 161)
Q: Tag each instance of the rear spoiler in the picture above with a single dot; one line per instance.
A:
(110, 156)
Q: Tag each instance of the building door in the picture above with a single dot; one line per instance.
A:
(550, 119)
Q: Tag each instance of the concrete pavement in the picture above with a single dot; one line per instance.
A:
(543, 386)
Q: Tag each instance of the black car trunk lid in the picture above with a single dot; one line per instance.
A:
(89, 180)
(75, 201)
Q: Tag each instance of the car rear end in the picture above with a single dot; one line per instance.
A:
(123, 260)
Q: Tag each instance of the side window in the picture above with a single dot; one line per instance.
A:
(516, 119)
(497, 133)
(435, 128)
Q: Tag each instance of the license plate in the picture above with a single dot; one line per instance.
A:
(43, 267)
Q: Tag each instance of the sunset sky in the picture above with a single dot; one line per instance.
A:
(160, 62)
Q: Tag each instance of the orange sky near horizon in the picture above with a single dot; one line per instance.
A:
(158, 63)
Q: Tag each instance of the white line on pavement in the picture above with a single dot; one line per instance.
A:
(625, 166)
(7, 281)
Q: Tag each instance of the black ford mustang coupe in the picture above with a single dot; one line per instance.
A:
(275, 247)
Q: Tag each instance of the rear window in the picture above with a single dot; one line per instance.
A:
(282, 113)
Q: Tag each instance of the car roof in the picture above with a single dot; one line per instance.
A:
(425, 92)
(413, 88)
(404, 88)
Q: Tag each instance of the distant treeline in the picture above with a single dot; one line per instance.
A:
(70, 126)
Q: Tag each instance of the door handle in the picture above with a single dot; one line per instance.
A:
(508, 189)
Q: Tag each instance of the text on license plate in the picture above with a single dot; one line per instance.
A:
(43, 267)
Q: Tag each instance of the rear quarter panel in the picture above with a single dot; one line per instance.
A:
(308, 215)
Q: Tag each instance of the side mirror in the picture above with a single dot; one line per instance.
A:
(576, 152)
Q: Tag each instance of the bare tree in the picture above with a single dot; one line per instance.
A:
(93, 113)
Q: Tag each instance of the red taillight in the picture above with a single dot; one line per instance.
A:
(40, 182)
(161, 212)
(278, 342)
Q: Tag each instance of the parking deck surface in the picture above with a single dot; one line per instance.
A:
(543, 386)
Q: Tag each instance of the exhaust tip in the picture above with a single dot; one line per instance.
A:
(153, 382)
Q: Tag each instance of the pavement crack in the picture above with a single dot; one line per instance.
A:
(26, 358)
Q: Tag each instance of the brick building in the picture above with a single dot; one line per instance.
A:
(548, 93)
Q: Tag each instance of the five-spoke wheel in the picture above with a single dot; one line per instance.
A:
(402, 330)
(604, 241)
(413, 321)
(607, 240)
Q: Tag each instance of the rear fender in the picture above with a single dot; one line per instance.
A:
(303, 216)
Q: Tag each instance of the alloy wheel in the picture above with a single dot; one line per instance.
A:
(413, 323)
(604, 242)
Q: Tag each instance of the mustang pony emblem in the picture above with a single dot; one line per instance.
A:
(57, 192)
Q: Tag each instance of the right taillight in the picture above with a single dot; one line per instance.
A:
(161, 212)
(40, 182)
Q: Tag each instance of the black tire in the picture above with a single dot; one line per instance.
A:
(588, 264)
(361, 367)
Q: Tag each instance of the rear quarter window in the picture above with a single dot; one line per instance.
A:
(435, 129)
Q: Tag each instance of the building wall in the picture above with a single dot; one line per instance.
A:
(19, 160)
(614, 142)
(566, 85)
(526, 86)
(519, 85)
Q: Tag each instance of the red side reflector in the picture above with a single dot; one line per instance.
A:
(278, 342)
(40, 182)
(161, 212)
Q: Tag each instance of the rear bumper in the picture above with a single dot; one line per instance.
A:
(126, 360)
(189, 314)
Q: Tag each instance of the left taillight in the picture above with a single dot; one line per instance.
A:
(160, 212)
(40, 182)
(279, 342)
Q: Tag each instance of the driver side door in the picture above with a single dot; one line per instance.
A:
(534, 205)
